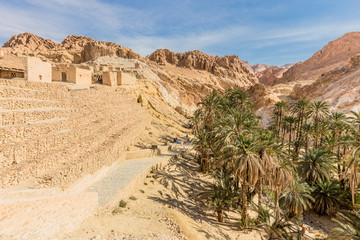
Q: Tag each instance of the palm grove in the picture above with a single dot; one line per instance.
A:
(307, 158)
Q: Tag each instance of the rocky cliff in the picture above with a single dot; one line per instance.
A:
(227, 66)
(73, 49)
(190, 76)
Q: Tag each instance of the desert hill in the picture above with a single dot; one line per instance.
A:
(334, 54)
(339, 87)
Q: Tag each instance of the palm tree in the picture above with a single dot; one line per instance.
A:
(290, 120)
(246, 166)
(327, 196)
(220, 194)
(315, 165)
(203, 145)
(279, 111)
(238, 99)
(196, 121)
(318, 110)
(355, 119)
(280, 177)
(349, 226)
(211, 106)
(268, 149)
(300, 109)
(296, 199)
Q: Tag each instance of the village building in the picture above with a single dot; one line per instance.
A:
(72, 74)
(112, 78)
(23, 67)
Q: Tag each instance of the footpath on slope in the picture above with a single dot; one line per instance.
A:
(121, 181)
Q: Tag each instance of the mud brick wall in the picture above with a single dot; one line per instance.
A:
(53, 136)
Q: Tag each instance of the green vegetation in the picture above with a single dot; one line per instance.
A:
(132, 198)
(142, 191)
(122, 204)
(307, 158)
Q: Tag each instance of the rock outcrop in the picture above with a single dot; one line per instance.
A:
(270, 75)
(29, 43)
(227, 66)
(189, 77)
(73, 49)
(333, 55)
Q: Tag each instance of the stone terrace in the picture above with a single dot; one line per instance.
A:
(52, 137)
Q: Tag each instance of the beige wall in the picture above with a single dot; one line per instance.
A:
(128, 79)
(70, 71)
(110, 78)
(38, 71)
(78, 76)
(83, 76)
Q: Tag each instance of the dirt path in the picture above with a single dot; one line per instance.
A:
(167, 206)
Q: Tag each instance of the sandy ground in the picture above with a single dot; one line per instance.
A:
(166, 207)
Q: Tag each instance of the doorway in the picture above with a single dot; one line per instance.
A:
(63, 77)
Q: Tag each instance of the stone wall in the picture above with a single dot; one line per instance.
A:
(83, 76)
(111, 78)
(51, 137)
(38, 71)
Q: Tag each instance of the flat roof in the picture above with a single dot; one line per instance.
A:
(12, 69)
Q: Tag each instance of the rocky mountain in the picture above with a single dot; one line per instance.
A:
(340, 87)
(334, 54)
(73, 49)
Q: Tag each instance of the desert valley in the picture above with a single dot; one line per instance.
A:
(98, 142)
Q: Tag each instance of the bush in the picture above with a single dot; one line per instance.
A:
(132, 198)
(122, 204)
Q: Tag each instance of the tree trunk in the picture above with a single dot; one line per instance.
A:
(260, 190)
(277, 212)
(220, 215)
(244, 189)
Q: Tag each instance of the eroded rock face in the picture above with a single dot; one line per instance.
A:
(73, 49)
(334, 54)
(269, 76)
(30, 43)
(227, 66)
(339, 87)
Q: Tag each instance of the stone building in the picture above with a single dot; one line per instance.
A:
(22, 67)
(72, 74)
(112, 78)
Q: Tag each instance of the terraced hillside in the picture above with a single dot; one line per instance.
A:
(52, 136)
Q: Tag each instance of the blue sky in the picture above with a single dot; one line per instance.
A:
(259, 31)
